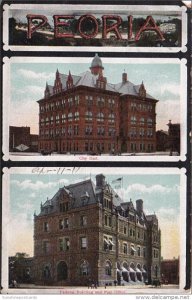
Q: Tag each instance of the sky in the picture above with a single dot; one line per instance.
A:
(28, 81)
(160, 194)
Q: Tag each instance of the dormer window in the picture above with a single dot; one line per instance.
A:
(63, 206)
(85, 198)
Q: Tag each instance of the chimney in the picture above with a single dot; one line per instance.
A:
(100, 180)
(139, 206)
(124, 77)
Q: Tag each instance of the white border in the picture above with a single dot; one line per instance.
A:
(104, 9)
(64, 157)
(86, 171)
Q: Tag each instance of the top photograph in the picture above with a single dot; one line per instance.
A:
(122, 28)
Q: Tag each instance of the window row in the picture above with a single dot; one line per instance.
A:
(141, 107)
(70, 117)
(74, 130)
(142, 147)
(141, 132)
(141, 121)
(64, 244)
(134, 251)
(63, 223)
(75, 100)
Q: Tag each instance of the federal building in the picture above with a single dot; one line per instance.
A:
(87, 114)
(86, 231)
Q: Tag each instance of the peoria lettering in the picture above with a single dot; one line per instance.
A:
(110, 24)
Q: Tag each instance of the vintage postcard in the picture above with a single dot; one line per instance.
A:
(73, 27)
(94, 108)
(94, 230)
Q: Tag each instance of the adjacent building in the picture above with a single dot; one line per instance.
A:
(87, 232)
(174, 136)
(170, 271)
(87, 114)
(20, 139)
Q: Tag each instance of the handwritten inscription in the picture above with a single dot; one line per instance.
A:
(59, 170)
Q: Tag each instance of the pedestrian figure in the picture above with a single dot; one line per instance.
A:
(89, 283)
(92, 284)
(115, 282)
(95, 284)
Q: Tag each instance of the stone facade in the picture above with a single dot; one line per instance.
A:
(86, 232)
(86, 114)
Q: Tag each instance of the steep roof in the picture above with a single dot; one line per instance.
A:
(128, 88)
(84, 189)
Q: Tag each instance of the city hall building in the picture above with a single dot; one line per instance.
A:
(87, 114)
(87, 232)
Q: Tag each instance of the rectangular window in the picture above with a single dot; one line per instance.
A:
(125, 230)
(45, 246)
(125, 248)
(66, 222)
(139, 251)
(111, 244)
(83, 220)
(83, 241)
(61, 245)
(46, 226)
(67, 244)
(63, 207)
(61, 224)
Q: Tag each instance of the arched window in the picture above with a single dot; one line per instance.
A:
(149, 122)
(89, 116)
(142, 121)
(57, 119)
(70, 117)
(52, 120)
(108, 268)
(76, 115)
(63, 118)
(100, 117)
(133, 120)
(84, 268)
(62, 271)
(111, 118)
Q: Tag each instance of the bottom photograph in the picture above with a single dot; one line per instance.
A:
(97, 230)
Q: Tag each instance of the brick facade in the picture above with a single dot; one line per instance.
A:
(86, 232)
(86, 114)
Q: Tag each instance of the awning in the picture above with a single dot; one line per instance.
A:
(124, 270)
(106, 241)
(22, 147)
(132, 248)
(138, 270)
(111, 243)
(118, 271)
(131, 270)
(143, 270)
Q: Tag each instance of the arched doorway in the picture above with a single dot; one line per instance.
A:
(132, 272)
(144, 273)
(125, 272)
(62, 271)
(139, 273)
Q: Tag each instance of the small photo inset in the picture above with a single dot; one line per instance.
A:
(95, 109)
(83, 229)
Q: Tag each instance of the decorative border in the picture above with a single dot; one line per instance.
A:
(86, 158)
(47, 171)
(91, 9)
